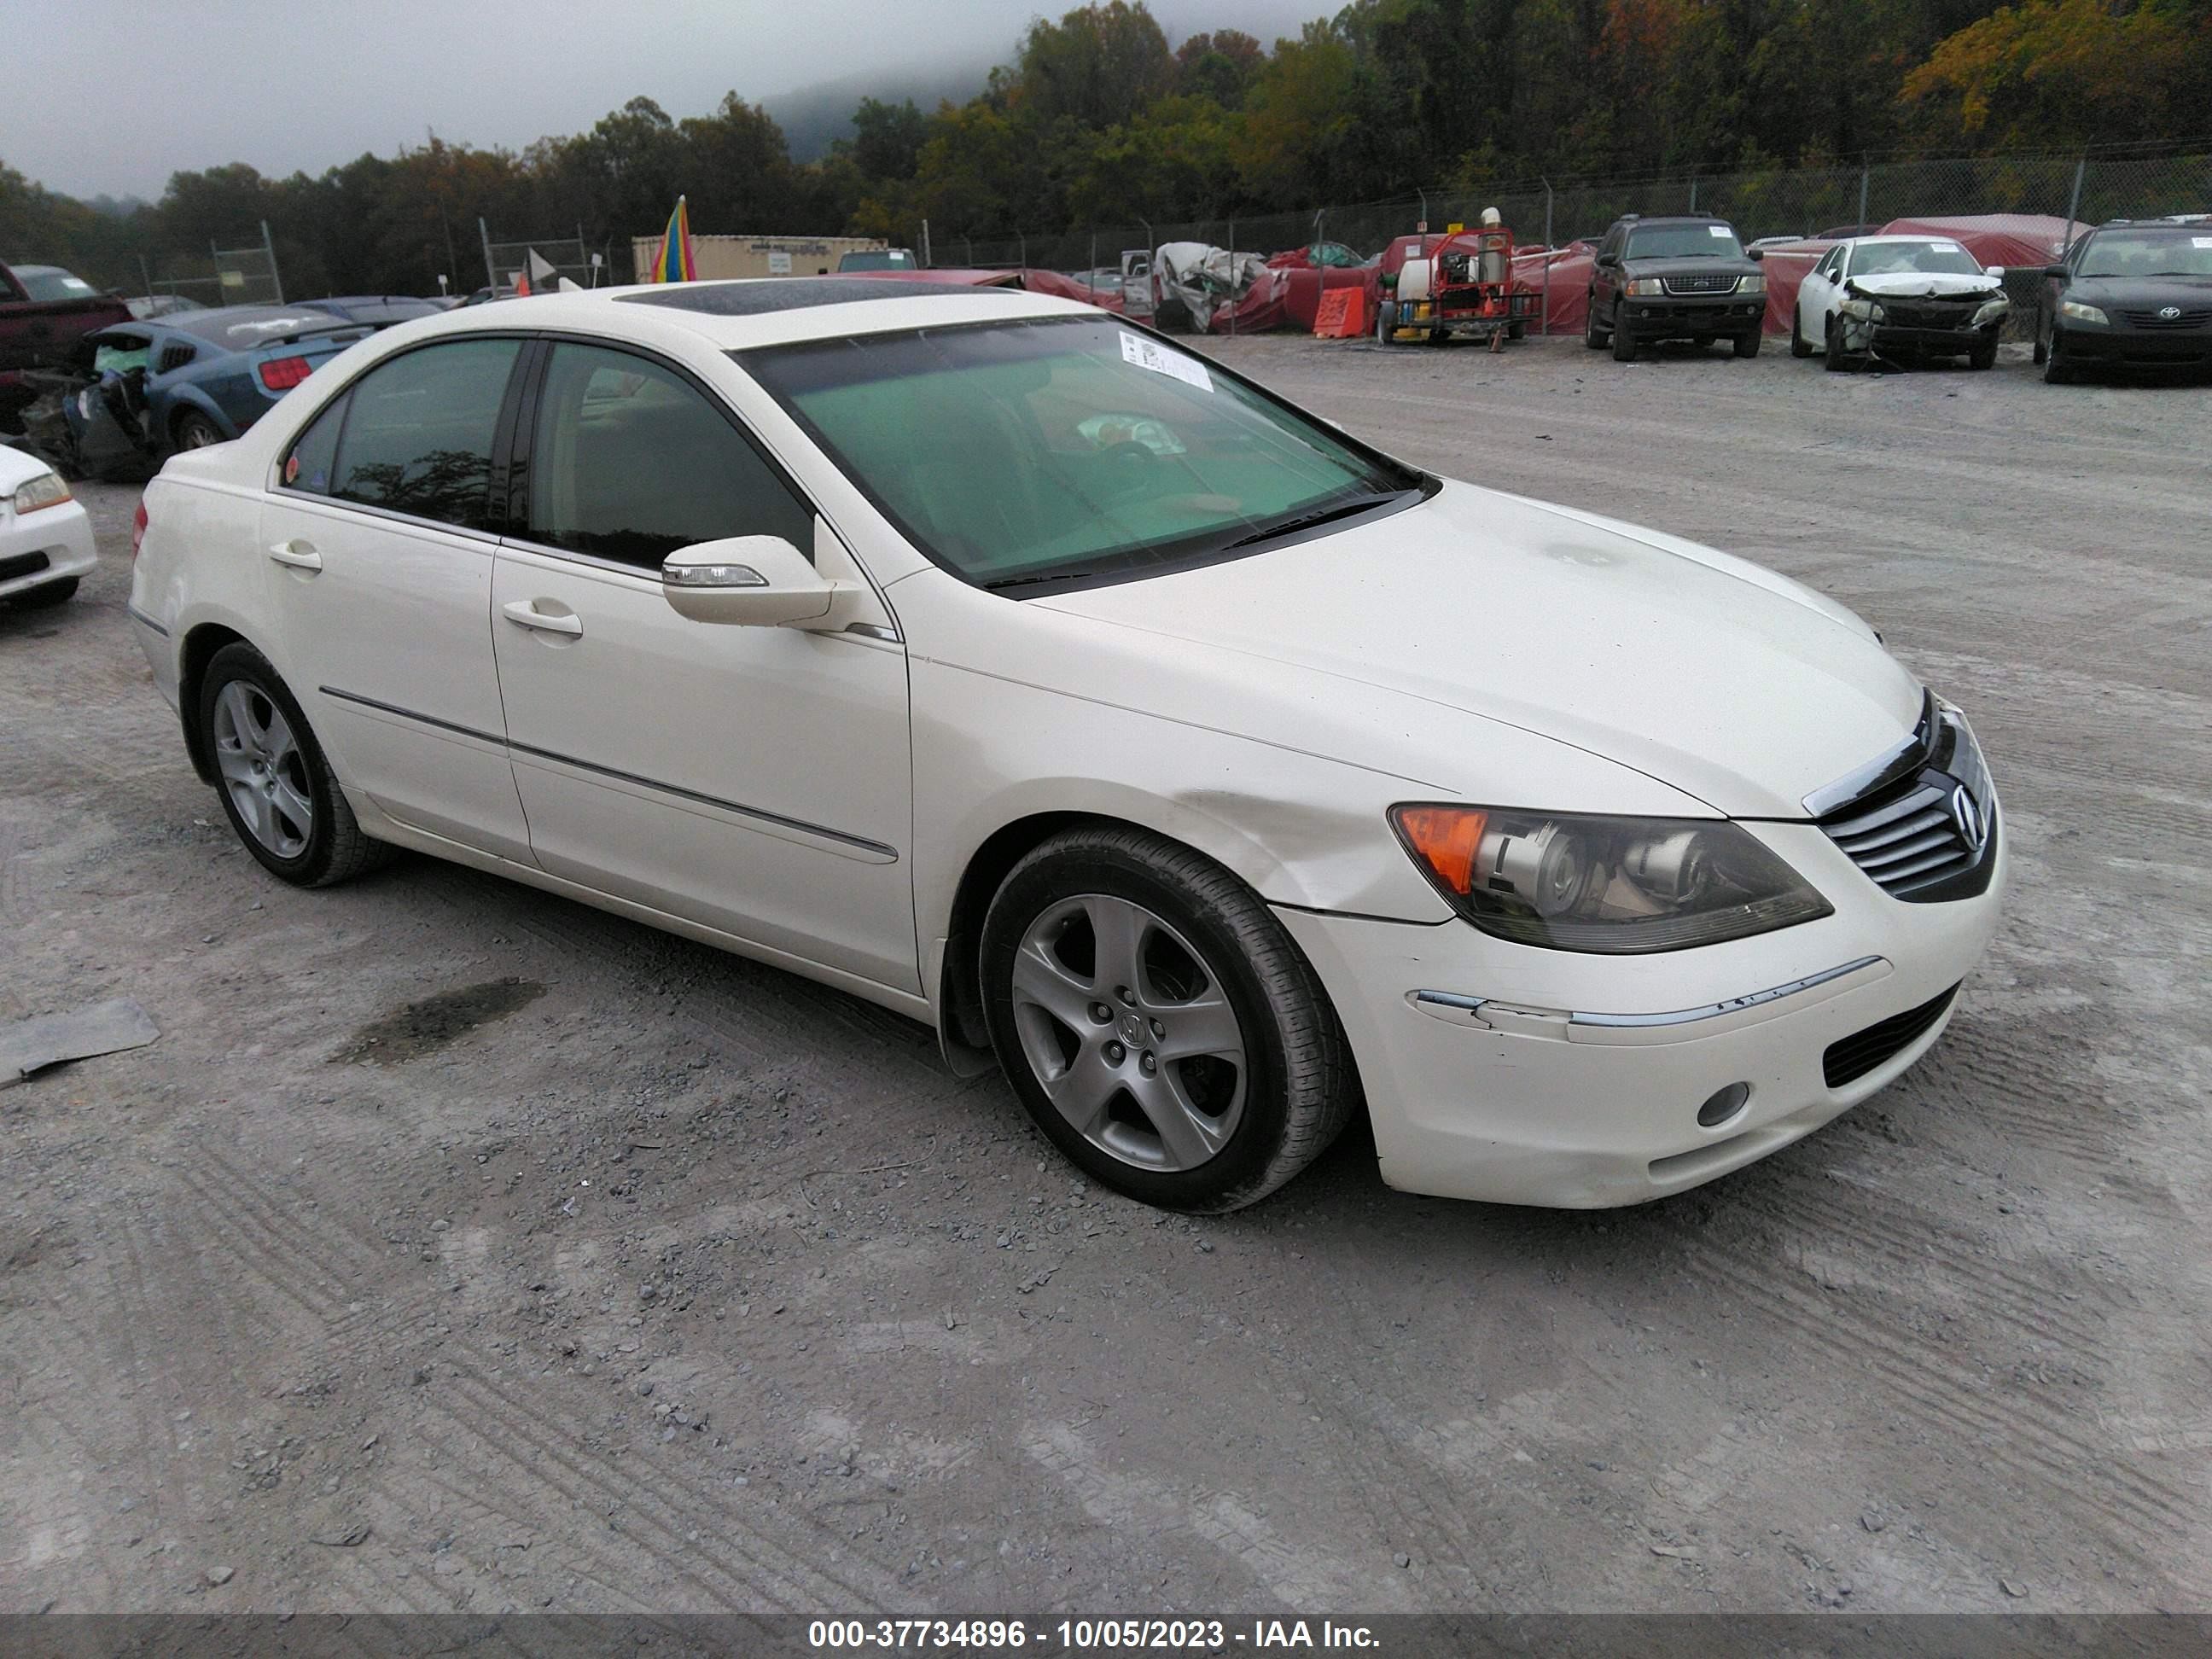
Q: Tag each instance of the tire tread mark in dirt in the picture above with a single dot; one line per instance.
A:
(574, 1556)
(248, 1240)
(664, 1495)
(1946, 1400)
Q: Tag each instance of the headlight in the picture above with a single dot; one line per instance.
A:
(1645, 288)
(47, 489)
(1623, 886)
(2082, 313)
(1990, 311)
(1865, 310)
(1751, 284)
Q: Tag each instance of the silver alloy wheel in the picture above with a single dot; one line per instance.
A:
(263, 769)
(1129, 1032)
(195, 433)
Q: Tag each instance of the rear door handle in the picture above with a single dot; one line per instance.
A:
(526, 612)
(301, 556)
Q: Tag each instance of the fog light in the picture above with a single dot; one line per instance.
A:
(1723, 1104)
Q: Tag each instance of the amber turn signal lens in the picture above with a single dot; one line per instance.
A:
(1445, 838)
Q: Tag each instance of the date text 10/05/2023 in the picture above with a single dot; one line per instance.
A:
(1082, 1636)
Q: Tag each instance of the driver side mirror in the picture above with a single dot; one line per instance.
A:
(757, 582)
(1756, 252)
(2058, 271)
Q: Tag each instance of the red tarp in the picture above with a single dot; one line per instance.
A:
(2014, 240)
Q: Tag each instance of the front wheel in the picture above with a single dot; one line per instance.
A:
(1747, 345)
(1158, 1024)
(1835, 363)
(2058, 367)
(2041, 351)
(1624, 345)
(1984, 356)
(1594, 338)
(277, 791)
(1799, 345)
(53, 593)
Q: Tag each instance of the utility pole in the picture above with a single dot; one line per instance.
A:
(275, 279)
(2074, 202)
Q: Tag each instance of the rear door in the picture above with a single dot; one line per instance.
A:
(378, 539)
(755, 780)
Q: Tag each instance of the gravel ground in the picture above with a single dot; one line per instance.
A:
(457, 1247)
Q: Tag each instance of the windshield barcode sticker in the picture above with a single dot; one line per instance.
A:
(1149, 354)
(2201, 242)
(1719, 230)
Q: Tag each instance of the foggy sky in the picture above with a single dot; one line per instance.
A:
(112, 96)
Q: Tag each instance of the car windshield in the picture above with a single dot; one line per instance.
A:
(1683, 242)
(382, 312)
(2126, 253)
(1063, 448)
(1900, 259)
(894, 259)
(52, 284)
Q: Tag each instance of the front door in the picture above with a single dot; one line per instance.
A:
(752, 780)
(377, 544)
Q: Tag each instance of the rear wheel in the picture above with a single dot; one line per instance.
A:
(196, 431)
(1747, 345)
(53, 593)
(278, 790)
(1158, 1023)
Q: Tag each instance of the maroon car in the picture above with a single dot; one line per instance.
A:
(44, 312)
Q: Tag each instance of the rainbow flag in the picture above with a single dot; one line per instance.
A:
(674, 263)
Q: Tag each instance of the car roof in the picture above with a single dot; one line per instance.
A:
(2178, 223)
(1673, 219)
(735, 316)
(1898, 236)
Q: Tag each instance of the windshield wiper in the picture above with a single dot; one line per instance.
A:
(1319, 516)
(1042, 576)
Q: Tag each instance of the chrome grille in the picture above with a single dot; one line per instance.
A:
(1699, 284)
(2152, 319)
(1923, 828)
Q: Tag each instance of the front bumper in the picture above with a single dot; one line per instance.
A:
(2121, 347)
(1515, 1102)
(1665, 318)
(49, 545)
(1899, 337)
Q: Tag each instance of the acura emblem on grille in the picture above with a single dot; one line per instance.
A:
(2169, 313)
(1966, 813)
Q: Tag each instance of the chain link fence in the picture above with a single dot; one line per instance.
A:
(570, 256)
(1778, 202)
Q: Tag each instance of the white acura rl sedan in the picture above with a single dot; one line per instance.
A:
(1014, 668)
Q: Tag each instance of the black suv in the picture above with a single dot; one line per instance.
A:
(2132, 292)
(1685, 278)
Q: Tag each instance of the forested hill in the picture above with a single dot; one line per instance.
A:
(1100, 117)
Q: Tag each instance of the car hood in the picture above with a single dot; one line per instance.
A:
(18, 468)
(1699, 264)
(2142, 293)
(1921, 284)
(1727, 682)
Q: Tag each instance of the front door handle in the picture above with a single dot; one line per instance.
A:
(301, 556)
(526, 612)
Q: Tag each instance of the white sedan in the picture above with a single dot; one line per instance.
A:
(1900, 297)
(46, 539)
(1020, 670)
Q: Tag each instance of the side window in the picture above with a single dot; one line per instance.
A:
(314, 457)
(629, 462)
(418, 433)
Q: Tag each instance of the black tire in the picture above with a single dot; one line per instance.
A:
(2041, 351)
(1747, 345)
(1984, 356)
(1516, 329)
(1799, 345)
(335, 848)
(1836, 362)
(193, 430)
(53, 593)
(1624, 346)
(1299, 1085)
(2056, 369)
(1704, 342)
(1594, 338)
